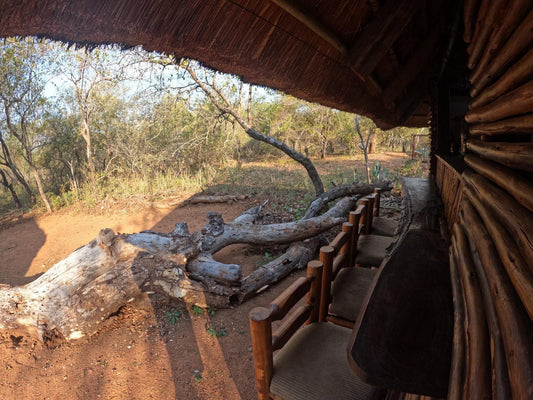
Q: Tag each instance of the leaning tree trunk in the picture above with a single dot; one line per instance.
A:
(212, 92)
(75, 295)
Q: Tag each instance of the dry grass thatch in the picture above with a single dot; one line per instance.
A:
(275, 43)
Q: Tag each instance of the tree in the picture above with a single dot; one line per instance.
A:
(223, 104)
(365, 144)
(91, 73)
(23, 105)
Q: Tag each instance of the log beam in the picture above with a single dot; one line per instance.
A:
(513, 49)
(312, 23)
(516, 102)
(517, 220)
(457, 369)
(520, 187)
(514, 263)
(517, 125)
(514, 155)
(491, 22)
(470, 8)
(512, 19)
(518, 74)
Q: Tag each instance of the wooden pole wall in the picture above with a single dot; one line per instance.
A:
(489, 208)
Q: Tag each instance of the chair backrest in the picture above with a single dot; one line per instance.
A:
(372, 207)
(336, 255)
(292, 316)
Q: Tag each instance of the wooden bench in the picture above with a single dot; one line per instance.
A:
(402, 338)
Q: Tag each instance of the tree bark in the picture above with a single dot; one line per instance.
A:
(9, 185)
(40, 187)
(364, 146)
(337, 192)
(8, 162)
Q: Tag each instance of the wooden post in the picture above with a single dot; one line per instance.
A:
(370, 213)
(348, 249)
(354, 219)
(363, 222)
(261, 332)
(326, 257)
(314, 270)
(377, 204)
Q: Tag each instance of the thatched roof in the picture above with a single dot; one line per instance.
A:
(376, 58)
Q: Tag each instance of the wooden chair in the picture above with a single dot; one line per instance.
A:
(310, 361)
(344, 289)
(344, 286)
(382, 226)
(371, 249)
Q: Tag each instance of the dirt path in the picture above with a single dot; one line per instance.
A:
(140, 354)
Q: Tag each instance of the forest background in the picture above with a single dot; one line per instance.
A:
(86, 127)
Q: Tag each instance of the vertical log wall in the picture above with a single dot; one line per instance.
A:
(491, 208)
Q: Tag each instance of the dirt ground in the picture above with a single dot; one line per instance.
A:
(139, 353)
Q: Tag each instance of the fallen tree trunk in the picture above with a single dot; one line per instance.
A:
(296, 257)
(337, 192)
(72, 298)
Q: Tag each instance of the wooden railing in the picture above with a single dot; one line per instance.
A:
(450, 185)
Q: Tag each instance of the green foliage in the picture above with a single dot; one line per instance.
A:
(173, 316)
(197, 310)
(197, 376)
(267, 258)
(214, 332)
(413, 169)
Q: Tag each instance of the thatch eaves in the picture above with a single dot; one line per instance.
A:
(370, 57)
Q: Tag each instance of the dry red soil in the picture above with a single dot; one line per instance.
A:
(139, 353)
